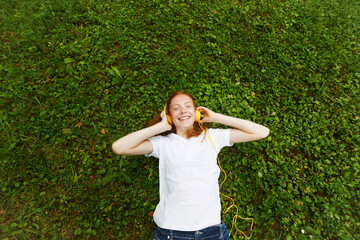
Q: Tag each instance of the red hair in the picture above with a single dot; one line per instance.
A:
(194, 132)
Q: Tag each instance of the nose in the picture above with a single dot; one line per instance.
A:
(182, 110)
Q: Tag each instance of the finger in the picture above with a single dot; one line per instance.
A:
(203, 120)
(163, 114)
(202, 110)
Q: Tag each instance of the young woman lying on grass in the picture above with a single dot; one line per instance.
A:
(189, 206)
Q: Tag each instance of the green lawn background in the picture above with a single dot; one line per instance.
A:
(78, 74)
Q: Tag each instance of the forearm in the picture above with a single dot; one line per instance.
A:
(132, 140)
(241, 124)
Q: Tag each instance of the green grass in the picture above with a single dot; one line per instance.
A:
(77, 75)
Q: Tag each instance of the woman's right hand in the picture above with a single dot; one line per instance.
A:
(164, 121)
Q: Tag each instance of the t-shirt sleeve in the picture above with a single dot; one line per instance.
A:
(155, 141)
(221, 137)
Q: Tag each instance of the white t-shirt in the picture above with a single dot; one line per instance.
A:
(189, 188)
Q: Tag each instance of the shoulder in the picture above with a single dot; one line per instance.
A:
(219, 131)
(160, 138)
(220, 136)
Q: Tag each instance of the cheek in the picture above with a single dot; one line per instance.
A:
(173, 114)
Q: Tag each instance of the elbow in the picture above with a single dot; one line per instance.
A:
(265, 133)
(115, 147)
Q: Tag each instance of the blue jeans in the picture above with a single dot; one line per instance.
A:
(216, 232)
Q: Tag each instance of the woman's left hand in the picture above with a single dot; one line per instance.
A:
(206, 114)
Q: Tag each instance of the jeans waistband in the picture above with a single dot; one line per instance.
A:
(208, 231)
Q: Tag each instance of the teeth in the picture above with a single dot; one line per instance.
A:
(183, 118)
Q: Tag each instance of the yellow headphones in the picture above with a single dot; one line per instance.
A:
(197, 116)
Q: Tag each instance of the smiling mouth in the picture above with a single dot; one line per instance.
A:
(184, 118)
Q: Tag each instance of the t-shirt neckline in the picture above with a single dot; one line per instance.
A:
(185, 139)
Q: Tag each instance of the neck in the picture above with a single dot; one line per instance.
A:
(182, 132)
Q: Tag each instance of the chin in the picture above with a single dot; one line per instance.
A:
(185, 125)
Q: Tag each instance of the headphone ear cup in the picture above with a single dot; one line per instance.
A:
(168, 116)
(169, 119)
(197, 115)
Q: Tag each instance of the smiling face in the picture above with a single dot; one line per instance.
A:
(182, 111)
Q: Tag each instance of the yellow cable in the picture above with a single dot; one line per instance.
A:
(233, 202)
